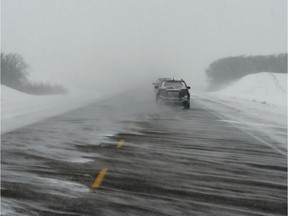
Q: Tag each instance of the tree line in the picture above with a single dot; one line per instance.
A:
(229, 69)
(15, 72)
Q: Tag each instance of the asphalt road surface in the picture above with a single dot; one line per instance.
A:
(127, 156)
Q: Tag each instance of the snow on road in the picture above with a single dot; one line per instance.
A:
(256, 103)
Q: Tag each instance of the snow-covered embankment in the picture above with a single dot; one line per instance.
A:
(257, 103)
(19, 109)
(266, 88)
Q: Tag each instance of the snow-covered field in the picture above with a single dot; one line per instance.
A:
(19, 109)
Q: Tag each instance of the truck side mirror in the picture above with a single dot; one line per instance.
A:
(188, 87)
(156, 87)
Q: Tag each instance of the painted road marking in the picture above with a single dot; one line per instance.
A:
(99, 178)
(120, 144)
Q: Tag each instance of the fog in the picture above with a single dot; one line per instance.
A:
(109, 44)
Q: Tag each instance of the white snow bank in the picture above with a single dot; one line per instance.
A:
(265, 88)
(19, 109)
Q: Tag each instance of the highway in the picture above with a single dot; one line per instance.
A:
(126, 156)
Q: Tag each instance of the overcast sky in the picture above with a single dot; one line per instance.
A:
(102, 43)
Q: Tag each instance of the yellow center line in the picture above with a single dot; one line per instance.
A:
(99, 178)
(120, 144)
